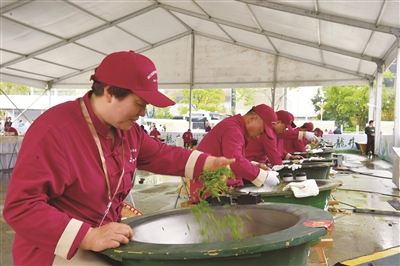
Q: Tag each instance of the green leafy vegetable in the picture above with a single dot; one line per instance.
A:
(214, 184)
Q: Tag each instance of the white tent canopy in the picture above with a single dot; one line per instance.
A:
(202, 43)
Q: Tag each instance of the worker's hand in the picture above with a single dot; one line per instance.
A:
(107, 236)
(311, 137)
(296, 157)
(295, 166)
(277, 167)
(213, 163)
(263, 166)
(272, 179)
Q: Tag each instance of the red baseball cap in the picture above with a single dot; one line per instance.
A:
(286, 118)
(309, 126)
(268, 116)
(132, 71)
(320, 133)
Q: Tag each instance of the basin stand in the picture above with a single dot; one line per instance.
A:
(319, 248)
(184, 184)
(324, 243)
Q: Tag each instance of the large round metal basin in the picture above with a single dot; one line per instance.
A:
(278, 232)
(313, 170)
(326, 153)
(320, 201)
(332, 161)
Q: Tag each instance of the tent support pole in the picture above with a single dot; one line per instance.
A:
(396, 129)
(371, 104)
(273, 89)
(191, 79)
(378, 107)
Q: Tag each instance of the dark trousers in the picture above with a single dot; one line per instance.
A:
(370, 145)
(188, 145)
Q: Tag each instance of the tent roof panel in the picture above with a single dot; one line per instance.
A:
(344, 37)
(184, 5)
(5, 56)
(203, 26)
(236, 42)
(363, 10)
(378, 41)
(54, 17)
(111, 40)
(163, 28)
(111, 10)
(249, 38)
(172, 61)
(42, 68)
(297, 50)
(287, 24)
(20, 39)
(337, 60)
(391, 15)
(367, 67)
(73, 56)
(16, 73)
(233, 11)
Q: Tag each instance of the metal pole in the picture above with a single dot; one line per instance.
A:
(286, 99)
(396, 129)
(21, 112)
(273, 89)
(191, 80)
(371, 105)
(27, 108)
(378, 107)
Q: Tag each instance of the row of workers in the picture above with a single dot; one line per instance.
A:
(232, 137)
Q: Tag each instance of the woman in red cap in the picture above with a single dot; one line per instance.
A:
(72, 176)
(318, 132)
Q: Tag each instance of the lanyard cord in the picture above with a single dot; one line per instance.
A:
(103, 160)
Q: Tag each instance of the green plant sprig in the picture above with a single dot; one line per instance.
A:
(215, 184)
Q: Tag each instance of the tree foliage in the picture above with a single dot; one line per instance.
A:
(348, 105)
(163, 113)
(203, 99)
(14, 89)
(388, 97)
(160, 113)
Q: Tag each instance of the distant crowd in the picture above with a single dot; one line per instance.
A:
(8, 127)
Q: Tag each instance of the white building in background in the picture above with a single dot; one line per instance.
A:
(299, 102)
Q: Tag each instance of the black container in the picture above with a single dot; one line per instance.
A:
(251, 198)
(287, 177)
(221, 201)
(301, 176)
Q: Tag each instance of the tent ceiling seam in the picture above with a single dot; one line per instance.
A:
(80, 36)
(321, 16)
(363, 76)
(270, 34)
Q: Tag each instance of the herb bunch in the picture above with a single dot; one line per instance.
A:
(214, 183)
